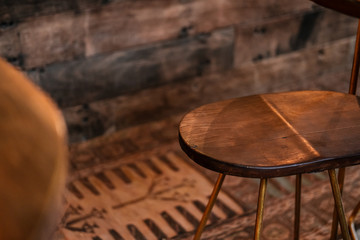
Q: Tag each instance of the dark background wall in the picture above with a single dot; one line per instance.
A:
(112, 64)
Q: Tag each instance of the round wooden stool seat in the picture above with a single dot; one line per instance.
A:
(274, 135)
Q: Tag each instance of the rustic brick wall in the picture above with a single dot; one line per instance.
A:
(111, 64)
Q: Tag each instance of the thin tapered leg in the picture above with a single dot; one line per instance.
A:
(335, 221)
(209, 206)
(338, 204)
(260, 208)
(352, 217)
(297, 207)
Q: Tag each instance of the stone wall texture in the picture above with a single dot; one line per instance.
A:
(112, 64)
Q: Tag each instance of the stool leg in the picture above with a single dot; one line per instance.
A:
(352, 217)
(338, 204)
(297, 207)
(209, 206)
(335, 221)
(260, 208)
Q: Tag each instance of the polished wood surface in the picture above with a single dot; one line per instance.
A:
(33, 159)
(273, 135)
(348, 7)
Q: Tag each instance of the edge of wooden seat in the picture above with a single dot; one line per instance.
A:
(348, 7)
(316, 165)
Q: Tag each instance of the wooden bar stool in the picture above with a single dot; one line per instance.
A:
(280, 134)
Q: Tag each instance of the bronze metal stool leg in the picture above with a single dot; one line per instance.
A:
(338, 204)
(260, 208)
(297, 207)
(209, 206)
(351, 221)
(335, 221)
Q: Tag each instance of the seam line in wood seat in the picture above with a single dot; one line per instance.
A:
(303, 139)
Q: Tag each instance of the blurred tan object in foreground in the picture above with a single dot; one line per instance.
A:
(33, 158)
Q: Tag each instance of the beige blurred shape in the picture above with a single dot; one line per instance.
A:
(33, 158)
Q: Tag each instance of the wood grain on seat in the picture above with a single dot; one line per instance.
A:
(274, 135)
